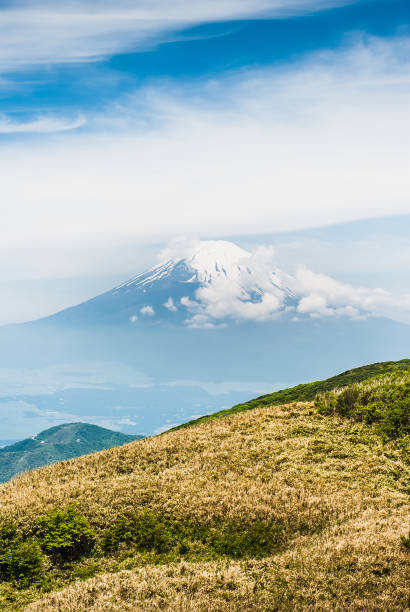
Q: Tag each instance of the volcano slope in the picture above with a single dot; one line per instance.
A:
(290, 507)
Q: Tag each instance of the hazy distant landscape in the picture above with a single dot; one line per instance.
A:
(173, 343)
(204, 305)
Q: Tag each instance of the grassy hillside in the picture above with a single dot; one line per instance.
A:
(308, 392)
(291, 507)
(57, 444)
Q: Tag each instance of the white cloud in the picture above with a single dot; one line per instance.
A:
(147, 311)
(260, 291)
(170, 305)
(40, 125)
(318, 143)
(324, 296)
(133, 318)
(43, 32)
(250, 295)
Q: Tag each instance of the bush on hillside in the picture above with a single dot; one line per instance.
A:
(384, 400)
(238, 540)
(20, 561)
(65, 534)
(8, 534)
(143, 530)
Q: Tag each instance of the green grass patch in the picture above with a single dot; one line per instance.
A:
(147, 532)
(144, 531)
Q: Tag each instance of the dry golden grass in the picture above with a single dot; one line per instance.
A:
(356, 567)
(327, 478)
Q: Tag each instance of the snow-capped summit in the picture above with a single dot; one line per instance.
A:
(214, 258)
(199, 283)
(203, 282)
(202, 262)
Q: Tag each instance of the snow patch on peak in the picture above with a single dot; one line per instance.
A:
(244, 286)
(215, 258)
(213, 250)
(145, 278)
(203, 260)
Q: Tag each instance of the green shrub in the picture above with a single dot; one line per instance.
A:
(84, 571)
(405, 542)
(144, 531)
(347, 400)
(8, 534)
(240, 540)
(383, 400)
(394, 422)
(65, 534)
(20, 561)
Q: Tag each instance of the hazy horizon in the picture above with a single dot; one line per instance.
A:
(133, 128)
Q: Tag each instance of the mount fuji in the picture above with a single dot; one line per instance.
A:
(208, 327)
(212, 282)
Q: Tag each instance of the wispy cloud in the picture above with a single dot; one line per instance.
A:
(43, 32)
(320, 142)
(45, 124)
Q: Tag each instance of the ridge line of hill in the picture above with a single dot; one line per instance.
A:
(305, 392)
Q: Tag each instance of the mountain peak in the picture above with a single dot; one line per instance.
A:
(207, 283)
(186, 250)
(213, 250)
(216, 257)
(195, 261)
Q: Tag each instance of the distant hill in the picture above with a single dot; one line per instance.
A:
(308, 392)
(57, 444)
(7, 442)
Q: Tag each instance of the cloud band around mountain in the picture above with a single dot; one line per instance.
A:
(261, 291)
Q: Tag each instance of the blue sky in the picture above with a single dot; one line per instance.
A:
(124, 124)
(197, 52)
